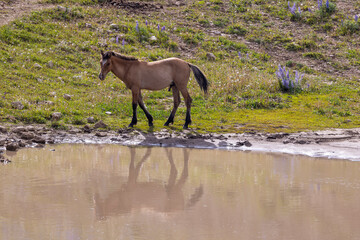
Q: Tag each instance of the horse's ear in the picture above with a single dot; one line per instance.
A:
(102, 53)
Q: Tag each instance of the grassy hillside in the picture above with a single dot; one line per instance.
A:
(57, 51)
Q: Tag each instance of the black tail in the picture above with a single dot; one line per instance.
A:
(200, 78)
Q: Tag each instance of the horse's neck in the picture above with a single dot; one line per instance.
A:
(120, 68)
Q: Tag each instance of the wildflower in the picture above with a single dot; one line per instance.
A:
(285, 81)
(310, 10)
(158, 27)
(356, 18)
(319, 4)
(327, 4)
(137, 26)
(163, 28)
(117, 39)
(247, 56)
(299, 10)
(146, 22)
(123, 42)
(239, 54)
(293, 9)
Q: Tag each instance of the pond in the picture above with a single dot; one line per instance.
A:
(79, 191)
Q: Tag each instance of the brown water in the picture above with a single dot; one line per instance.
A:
(116, 192)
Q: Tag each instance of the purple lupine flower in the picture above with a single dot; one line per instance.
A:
(299, 9)
(293, 9)
(158, 27)
(117, 39)
(123, 42)
(310, 10)
(319, 4)
(356, 18)
(163, 28)
(327, 4)
(247, 56)
(239, 54)
(146, 22)
(137, 26)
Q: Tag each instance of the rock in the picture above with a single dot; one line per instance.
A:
(87, 129)
(90, 120)
(38, 66)
(153, 38)
(18, 130)
(56, 116)
(50, 64)
(27, 135)
(50, 140)
(52, 94)
(88, 25)
(3, 129)
(67, 97)
(210, 56)
(17, 105)
(101, 134)
(108, 113)
(13, 146)
(39, 139)
(247, 143)
(100, 124)
(62, 9)
(114, 26)
(2, 142)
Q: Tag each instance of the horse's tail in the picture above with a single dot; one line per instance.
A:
(200, 78)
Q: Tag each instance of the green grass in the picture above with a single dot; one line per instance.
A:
(51, 53)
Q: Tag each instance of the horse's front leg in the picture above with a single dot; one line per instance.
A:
(135, 100)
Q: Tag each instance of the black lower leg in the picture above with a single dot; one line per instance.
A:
(134, 118)
(170, 119)
(187, 119)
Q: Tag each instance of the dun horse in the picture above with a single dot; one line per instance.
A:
(171, 72)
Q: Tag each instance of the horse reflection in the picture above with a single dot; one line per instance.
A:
(136, 195)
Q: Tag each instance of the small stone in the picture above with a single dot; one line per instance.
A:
(13, 146)
(114, 26)
(3, 129)
(27, 135)
(18, 130)
(88, 25)
(90, 120)
(210, 56)
(247, 143)
(2, 142)
(36, 65)
(39, 139)
(100, 124)
(52, 94)
(17, 105)
(87, 129)
(56, 116)
(50, 64)
(67, 97)
(101, 134)
(153, 38)
(62, 9)
(108, 113)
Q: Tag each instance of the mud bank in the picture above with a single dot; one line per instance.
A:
(335, 143)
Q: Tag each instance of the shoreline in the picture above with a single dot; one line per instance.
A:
(332, 143)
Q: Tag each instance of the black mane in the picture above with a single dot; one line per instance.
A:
(108, 54)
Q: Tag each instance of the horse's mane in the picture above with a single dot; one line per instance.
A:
(107, 55)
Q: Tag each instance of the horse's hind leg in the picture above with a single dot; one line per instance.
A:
(188, 101)
(143, 107)
(177, 100)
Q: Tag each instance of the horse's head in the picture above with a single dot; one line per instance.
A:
(105, 64)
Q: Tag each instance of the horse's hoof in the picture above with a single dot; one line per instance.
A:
(185, 127)
(131, 125)
(168, 123)
(151, 124)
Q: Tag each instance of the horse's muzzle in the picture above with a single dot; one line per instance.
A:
(101, 76)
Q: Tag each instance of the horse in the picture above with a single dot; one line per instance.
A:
(173, 73)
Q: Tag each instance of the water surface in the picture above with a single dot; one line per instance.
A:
(116, 192)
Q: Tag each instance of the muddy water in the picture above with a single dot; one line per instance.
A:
(116, 192)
